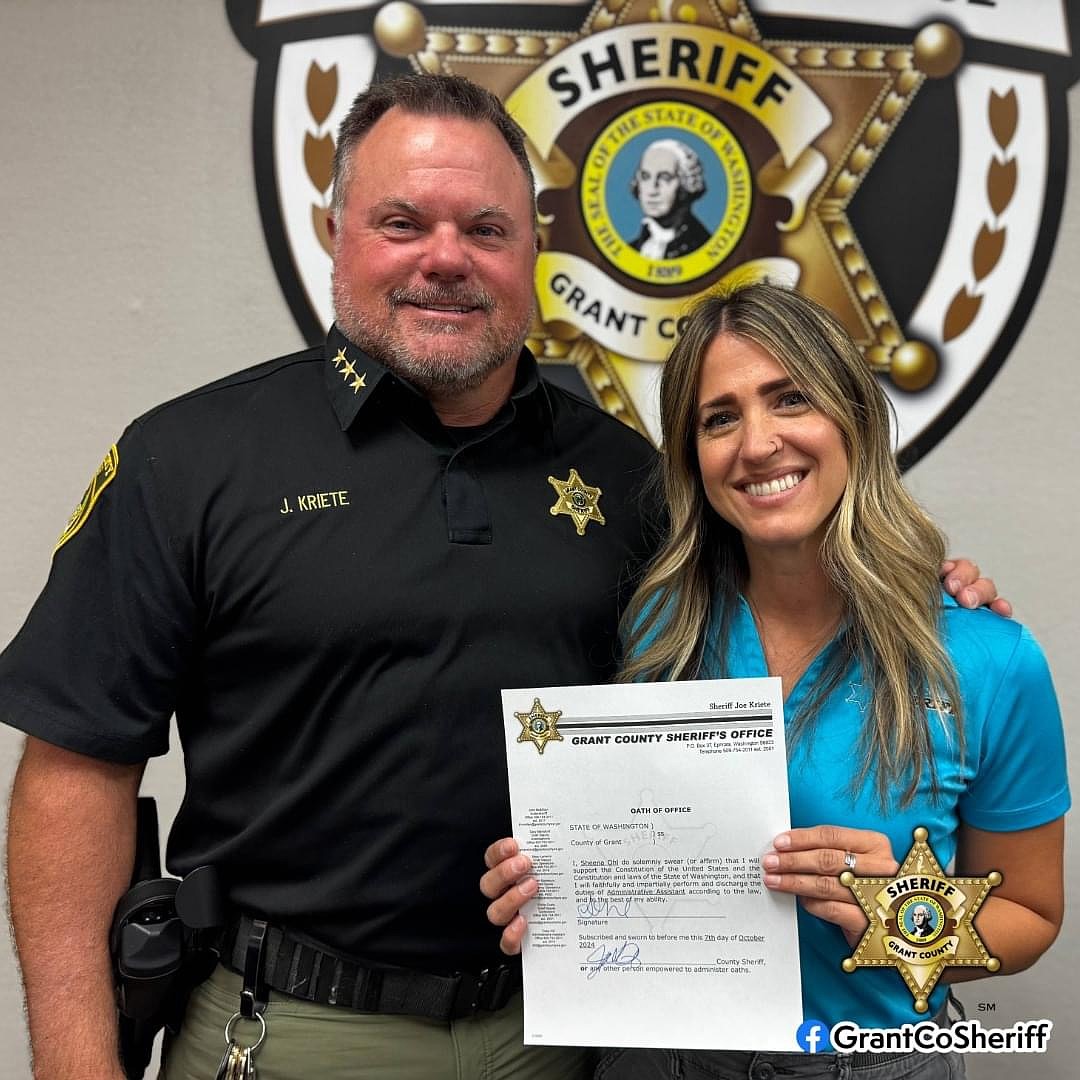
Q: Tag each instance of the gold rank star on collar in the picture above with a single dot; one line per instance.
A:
(539, 725)
(347, 369)
(578, 500)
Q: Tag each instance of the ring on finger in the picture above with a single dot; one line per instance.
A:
(849, 860)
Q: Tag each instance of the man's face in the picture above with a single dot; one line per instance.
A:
(658, 181)
(433, 257)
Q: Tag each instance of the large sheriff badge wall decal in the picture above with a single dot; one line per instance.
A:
(907, 171)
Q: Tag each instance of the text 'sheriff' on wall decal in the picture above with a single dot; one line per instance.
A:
(906, 172)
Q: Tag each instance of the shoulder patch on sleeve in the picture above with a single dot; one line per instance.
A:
(101, 480)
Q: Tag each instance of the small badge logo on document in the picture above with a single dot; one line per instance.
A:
(920, 920)
(539, 725)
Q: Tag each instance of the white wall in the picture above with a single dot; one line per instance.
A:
(134, 268)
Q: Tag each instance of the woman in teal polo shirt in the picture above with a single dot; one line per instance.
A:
(794, 550)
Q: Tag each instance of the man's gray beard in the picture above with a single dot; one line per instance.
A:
(431, 370)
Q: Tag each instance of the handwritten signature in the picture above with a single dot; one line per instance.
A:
(624, 955)
(599, 907)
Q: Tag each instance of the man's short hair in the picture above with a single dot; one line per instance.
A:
(427, 95)
(688, 168)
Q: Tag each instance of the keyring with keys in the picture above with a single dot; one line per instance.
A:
(238, 1062)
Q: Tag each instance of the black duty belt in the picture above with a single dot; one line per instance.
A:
(302, 969)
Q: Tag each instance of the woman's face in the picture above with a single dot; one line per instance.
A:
(772, 465)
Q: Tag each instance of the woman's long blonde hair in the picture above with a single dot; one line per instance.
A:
(881, 553)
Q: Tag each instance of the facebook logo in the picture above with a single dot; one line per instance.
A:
(813, 1037)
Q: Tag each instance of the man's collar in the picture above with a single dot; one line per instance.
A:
(526, 378)
(352, 377)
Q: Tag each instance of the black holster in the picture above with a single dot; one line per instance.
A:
(165, 940)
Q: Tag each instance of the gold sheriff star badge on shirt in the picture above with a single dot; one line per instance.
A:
(578, 500)
(539, 725)
(921, 921)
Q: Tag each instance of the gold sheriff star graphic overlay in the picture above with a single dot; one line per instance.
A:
(814, 116)
(578, 500)
(921, 921)
(539, 726)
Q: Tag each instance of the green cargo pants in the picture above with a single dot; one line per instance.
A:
(305, 1041)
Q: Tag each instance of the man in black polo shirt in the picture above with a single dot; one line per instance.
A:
(327, 566)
